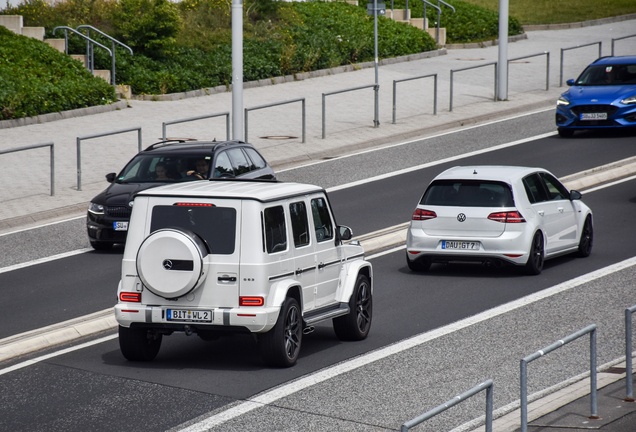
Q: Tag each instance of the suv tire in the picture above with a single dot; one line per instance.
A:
(139, 344)
(356, 324)
(281, 345)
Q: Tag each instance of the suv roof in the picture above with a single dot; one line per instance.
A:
(244, 189)
(179, 146)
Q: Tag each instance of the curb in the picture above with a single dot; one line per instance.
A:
(79, 112)
(565, 26)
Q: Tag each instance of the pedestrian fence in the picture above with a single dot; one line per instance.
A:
(411, 79)
(620, 38)
(547, 65)
(628, 353)
(486, 385)
(302, 100)
(376, 87)
(90, 55)
(79, 151)
(34, 146)
(66, 29)
(524, 371)
(468, 68)
(227, 123)
(572, 48)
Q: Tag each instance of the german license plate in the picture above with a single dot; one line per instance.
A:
(594, 116)
(120, 226)
(188, 315)
(451, 244)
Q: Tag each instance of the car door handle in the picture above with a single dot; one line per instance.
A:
(541, 212)
(227, 279)
(560, 209)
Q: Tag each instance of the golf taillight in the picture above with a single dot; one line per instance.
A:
(507, 217)
(134, 297)
(420, 214)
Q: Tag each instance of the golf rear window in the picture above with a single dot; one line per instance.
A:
(215, 225)
(468, 193)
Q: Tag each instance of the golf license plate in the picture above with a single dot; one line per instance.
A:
(120, 226)
(594, 116)
(189, 315)
(466, 245)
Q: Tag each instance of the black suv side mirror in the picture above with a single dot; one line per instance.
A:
(110, 177)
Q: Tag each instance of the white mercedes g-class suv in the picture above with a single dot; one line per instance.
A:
(220, 256)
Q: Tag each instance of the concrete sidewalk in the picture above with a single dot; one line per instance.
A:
(276, 131)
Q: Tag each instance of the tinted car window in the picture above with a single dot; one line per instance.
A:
(215, 225)
(257, 160)
(556, 190)
(534, 189)
(599, 75)
(275, 230)
(300, 227)
(239, 161)
(468, 193)
(143, 169)
(223, 166)
(322, 220)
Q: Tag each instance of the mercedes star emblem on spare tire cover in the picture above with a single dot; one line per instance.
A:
(170, 262)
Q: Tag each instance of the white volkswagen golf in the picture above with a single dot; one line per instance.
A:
(497, 215)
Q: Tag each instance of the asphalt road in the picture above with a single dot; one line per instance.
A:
(93, 388)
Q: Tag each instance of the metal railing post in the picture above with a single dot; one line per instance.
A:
(547, 67)
(411, 79)
(323, 116)
(51, 156)
(468, 68)
(113, 42)
(600, 45)
(277, 104)
(620, 38)
(628, 354)
(79, 164)
(450, 107)
(227, 123)
(394, 97)
(376, 87)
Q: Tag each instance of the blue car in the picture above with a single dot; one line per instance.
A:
(603, 96)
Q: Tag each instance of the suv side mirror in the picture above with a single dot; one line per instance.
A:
(575, 195)
(570, 82)
(110, 177)
(345, 232)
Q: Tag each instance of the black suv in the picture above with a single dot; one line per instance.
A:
(161, 163)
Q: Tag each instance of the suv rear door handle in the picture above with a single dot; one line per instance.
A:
(227, 278)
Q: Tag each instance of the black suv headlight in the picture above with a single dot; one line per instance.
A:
(96, 208)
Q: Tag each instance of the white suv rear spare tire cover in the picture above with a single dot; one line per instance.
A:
(170, 262)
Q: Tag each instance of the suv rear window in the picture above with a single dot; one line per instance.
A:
(468, 193)
(215, 225)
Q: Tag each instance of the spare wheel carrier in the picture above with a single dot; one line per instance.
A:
(170, 262)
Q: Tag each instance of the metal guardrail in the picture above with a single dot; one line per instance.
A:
(620, 38)
(547, 66)
(628, 353)
(89, 48)
(467, 68)
(576, 47)
(34, 146)
(411, 79)
(376, 87)
(277, 104)
(486, 385)
(227, 123)
(524, 371)
(79, 152)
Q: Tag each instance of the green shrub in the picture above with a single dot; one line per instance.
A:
(37, 79)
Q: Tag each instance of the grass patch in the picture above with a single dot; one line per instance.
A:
(561, 11)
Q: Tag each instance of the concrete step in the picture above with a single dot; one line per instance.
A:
(442, 35)
(58, 44)
(102, 73)
(81, 58)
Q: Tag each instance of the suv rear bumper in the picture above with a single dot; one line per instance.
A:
(256, 320)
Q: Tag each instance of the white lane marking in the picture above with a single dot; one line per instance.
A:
(42, 226)
(439, 162)
(55, 354)
(307, 381)
(417, 139)
(45, 259)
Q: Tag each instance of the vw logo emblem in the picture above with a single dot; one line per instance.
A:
(167, 264)
(461, 217)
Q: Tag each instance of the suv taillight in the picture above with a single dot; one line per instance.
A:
(251, 301)
(420, 214)
(134, 297)
(507, 217)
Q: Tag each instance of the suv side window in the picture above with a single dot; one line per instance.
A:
(300, 227)
(534, 189)
(257, 160)
(555, 188)
(239, 161)
(322, 220)
(275, 230)
(223, 165)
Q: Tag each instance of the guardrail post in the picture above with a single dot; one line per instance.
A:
(628, 353)
(450, 108)
(79, 164)
(52, 158)
(411, 79)
(323, 116)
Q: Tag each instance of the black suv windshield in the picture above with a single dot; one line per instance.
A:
(468, 193)
(603, 75)
(161, 168)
